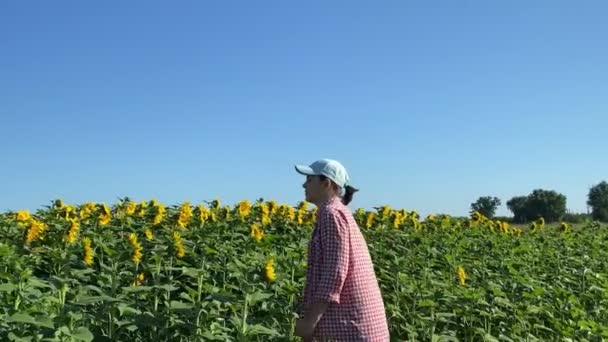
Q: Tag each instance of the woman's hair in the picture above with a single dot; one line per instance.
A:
(349, 191)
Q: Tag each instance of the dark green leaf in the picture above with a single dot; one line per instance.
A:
(258, 329)
(7, 287)
(82, 334)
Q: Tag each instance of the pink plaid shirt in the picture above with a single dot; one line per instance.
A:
(340, 271)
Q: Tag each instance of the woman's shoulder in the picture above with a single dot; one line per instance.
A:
(335, 210)
(333, 206)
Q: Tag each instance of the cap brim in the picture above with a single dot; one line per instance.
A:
(305, 170)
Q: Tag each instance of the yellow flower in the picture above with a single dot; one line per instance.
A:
(130, 208)
(492, 225)
(105, 210)
(313, 215)
(504, 226)
(160, 213)
(303, 206)
(149, 234)
(35, 231)
(73, 232)
(538, 224)
(462, 276)
(203, 213)
(385, 212)
(179, 245)
(106, 215)
(104, 219)
(136, 256)
(397, 219)
(139, 279)
(273, 207)
(564, 227)
(301, 212)
(244, 209)
(23, 215)
(476, 217)
(269, 270)
(360, 213)
(291, 213)
(541, 222)
(88, 251)
(185, 214)
(86, 210)
(265, 214)
(516, 231)
(142, 209)
(256, 233)
(300, 217)
(369, 221)
(69, 209)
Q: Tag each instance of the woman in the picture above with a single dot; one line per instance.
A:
(342, 300)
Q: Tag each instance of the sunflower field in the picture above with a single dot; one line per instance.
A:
(143, 271)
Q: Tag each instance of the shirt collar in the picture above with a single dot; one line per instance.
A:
(331, 201)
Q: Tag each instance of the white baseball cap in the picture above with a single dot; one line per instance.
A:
(329, 168)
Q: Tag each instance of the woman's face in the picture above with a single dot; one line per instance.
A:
(315, 190)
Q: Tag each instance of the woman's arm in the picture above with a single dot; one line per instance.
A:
(335, 250)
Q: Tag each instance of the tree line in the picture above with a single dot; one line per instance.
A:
(549, 204)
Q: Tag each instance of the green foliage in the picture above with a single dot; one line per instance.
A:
(598, 201)
(486, 206)
(576, 218)
(544, 285)
(547, 204)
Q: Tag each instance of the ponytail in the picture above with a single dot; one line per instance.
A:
(349, 191)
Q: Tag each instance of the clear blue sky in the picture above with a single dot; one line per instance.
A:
(429, 104)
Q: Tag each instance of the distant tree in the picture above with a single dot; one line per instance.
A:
(575, 218)
(518, 206)
(548, 204)
(598, 201)
(486, 206)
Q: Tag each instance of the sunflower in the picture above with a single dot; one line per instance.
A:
(185, 214)
(462, 276)
(244, 209)
(23, 215)
(179, 245)
(136, 256)
(256, 233)
(88, 251)
(73, 232)
(269, 271)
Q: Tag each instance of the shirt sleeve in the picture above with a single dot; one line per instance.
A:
(335, 249)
